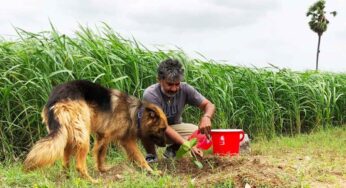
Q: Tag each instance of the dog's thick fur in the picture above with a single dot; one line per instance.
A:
(78, 108)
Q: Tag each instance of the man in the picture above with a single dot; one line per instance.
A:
(171, 94)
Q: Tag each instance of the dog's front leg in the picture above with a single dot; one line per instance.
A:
(135, 154)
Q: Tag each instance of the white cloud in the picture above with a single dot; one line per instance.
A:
(248, 32)
(195, 15)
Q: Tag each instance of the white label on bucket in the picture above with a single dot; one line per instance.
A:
(222, 141)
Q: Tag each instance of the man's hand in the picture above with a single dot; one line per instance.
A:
(205, 123)
(205, 126)
(197, 151)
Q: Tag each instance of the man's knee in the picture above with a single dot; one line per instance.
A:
(185, 129)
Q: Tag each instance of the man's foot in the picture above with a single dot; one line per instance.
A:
(151, 158)
(171, 151)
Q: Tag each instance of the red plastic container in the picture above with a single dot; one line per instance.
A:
(202, 141)
(226, 141)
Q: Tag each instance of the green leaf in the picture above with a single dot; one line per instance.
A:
(186, 147)
(181, 152)
(191, 143)
(198, 164)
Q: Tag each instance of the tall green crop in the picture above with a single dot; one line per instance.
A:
(262, 102)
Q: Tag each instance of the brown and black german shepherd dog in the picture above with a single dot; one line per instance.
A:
(78, 108)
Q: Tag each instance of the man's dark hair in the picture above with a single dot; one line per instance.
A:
(171, 70)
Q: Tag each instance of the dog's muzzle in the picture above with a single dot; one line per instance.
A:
(158, 140)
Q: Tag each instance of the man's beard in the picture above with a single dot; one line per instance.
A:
(168, 94)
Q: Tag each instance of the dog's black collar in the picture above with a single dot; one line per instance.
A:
(139, 117)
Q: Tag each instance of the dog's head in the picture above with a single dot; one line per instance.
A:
(154, 124)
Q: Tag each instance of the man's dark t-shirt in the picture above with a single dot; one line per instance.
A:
(174, 106)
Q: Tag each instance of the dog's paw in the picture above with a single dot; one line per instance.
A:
(156, 172)
(94, 181)
(104, 169)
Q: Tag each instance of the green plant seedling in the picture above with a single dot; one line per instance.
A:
(186, 149)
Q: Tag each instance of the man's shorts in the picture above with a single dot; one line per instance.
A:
(184, 129)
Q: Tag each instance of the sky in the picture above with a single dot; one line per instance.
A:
(251, 33)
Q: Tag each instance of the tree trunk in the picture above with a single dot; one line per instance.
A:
(318, 51)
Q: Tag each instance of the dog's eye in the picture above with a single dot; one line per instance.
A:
(152, 114)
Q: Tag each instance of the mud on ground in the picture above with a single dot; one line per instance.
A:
(254, 171)
(241, 170)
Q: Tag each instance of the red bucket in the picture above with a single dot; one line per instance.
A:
(226, 141)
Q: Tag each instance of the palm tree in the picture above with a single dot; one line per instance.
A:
(318, 22)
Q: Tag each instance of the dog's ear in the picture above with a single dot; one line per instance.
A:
(150, 108)
(154, 112)
(151, 113)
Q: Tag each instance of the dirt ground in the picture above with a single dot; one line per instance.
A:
(241, 170)
(247, 170)
(309, 162)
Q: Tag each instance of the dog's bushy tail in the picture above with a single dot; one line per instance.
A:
(50, 148)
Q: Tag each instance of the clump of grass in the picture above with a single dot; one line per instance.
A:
(317, 159)
(263, 102)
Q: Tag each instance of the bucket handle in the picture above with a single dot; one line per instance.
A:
(242, 134)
